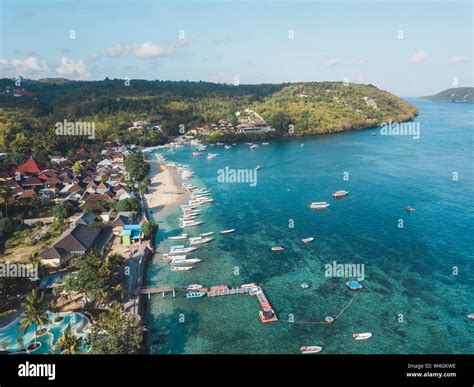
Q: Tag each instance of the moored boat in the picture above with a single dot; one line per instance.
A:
(470, 316)
(207, 233)
(181, 268)
(310, 349)
(228, 231)
(194, 287)
(307, 240)
(179, 237)
(195, 294)
(318, 205)
(278, 248)
(340, 194)
(354, 285)
(362, 336)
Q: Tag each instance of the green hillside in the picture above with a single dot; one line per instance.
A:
(458, 94)
(27, 122)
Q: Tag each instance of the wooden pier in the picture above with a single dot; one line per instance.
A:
(162, 289)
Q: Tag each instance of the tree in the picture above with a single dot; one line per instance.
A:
(35, 313)
(60, 212)
(116, 333)
(149, 228)
(77, 167)
(68, 343)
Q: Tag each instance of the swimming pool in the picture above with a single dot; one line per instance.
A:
(9, 334)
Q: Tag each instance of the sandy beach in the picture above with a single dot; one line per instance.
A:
(165, 190)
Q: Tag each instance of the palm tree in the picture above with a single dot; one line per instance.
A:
(68, 343)
(35, 313)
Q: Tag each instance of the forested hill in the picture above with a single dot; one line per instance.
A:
(27, 121)
(458, 94)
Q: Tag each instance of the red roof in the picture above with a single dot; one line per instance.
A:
(31, 166)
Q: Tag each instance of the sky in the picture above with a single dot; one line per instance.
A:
(407, 48)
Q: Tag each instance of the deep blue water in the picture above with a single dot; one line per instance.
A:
(419, 283)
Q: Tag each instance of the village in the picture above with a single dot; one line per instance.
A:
(70, 213)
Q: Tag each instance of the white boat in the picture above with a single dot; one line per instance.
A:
(175, 247)
(181, 268)
(470, 316)
(311, 349)
(207, 233)
(211, 156)
(194, 287)
(249, 286)
(200, 241)
(182, 250)
(184, 262)
(278, 248)
(306, 240)
(318, 205)
(257, 167)
(253, 146)
(228, 231)
(340, 194)
(362, 336)
(171, 257)
(227, 146)
(264, 143)
(196, 154)
(179, 237)
(190, 224)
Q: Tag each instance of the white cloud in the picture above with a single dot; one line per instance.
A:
(418, 57)
(31, 67)
(145, 50)
(458, 59)
(332, 61)
(73, 69)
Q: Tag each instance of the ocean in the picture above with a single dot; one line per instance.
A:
(419, 284)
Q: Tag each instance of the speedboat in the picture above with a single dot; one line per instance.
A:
(304, 285)
(470, 316)
(194, 287)
(264, 143)
(196, 154)
(306, 240)
(168, 256)
(340, 194)
(227, 146)
(329, 319)
(253, 146)
(249, 286)
(410, 209)
(182, 250)
(185, 262)
(228, 231)
(185, 224)
(200, 240)
(310, 349)
(278, 248)
(318, 205)
(207, 233)
(362, 336)
(181, 268)
(179, 237)
(258, 167)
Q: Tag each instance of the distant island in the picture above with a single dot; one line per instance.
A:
(457, 94)
(149, 113)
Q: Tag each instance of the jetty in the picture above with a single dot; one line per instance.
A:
(267, 314)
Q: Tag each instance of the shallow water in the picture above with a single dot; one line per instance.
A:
(411, 300)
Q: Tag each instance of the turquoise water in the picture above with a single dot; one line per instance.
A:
(412, 300)
(9, 333)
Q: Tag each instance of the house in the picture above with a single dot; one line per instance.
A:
(106, 216)
(26, 195)
(121, 220)
(84, 219)
(31, 166)
(58, 159)
(131, 233)
(77, 240)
